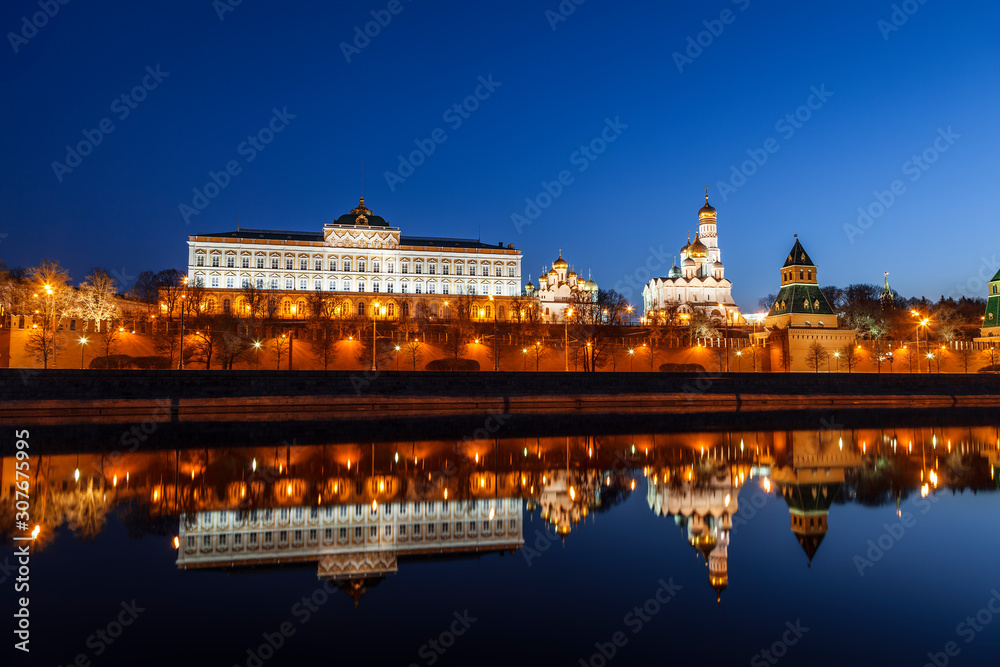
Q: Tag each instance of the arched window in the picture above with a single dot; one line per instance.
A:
(392, 310)
(301, 309)
(501, 312)
(361, 308)
(406, 309)
(286, 308)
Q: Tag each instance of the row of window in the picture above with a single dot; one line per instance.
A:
(348, 285)
(284, 514)
(416, 531)
(362, 266)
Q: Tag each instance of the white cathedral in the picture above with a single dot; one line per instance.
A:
(699, 283)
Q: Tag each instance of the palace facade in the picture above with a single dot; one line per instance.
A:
(361, 259)
(699, 284)
(991, 320)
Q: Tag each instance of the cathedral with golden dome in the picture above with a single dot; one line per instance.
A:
(699, 284)
(559, 288)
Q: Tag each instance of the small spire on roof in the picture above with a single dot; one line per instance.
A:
(706, 194)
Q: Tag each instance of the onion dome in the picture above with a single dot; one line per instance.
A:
(697, 248)
(571, 278)
(529, 286)
(590, 285)
(719, 265)
(542, 278)
(706, 211)
(560, 263)
(688, 263)
(675, 271)
(553, 275)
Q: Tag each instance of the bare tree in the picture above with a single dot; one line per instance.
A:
(816, 355)
(849, 356)
(279, 346)
(414, 352)
(42, 343)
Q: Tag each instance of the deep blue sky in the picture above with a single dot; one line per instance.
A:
(119, 208)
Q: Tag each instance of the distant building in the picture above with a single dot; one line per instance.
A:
(991, 320)
(558, 289)
(699, 283)
(801, 316)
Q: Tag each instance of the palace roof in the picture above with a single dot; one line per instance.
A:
(801, 299)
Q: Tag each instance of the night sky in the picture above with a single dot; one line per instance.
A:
(892, 85)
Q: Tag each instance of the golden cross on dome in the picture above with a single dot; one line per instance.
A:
(706, 194)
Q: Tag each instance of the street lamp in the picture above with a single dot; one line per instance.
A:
(180, 361)
(837, 356)
(631, 358)
(725, 311)
(524, 355)
(739, 359)
(496, 359)
(375, 307)
(569, 314)
(83, 341)
(256, 347)
(397, 357)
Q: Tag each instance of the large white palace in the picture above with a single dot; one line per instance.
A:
(699, 283)
(360, 256)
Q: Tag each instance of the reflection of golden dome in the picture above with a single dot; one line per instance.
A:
(697, 248)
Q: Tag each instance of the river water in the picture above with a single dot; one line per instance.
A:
(824, 547)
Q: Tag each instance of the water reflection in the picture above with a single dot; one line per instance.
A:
(355, 512)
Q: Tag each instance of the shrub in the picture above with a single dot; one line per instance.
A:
(682, 368)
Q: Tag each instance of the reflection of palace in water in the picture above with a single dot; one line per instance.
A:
(357, 511)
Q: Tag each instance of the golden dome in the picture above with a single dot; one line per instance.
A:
(560, 263)
(571, 277)
(697, 248)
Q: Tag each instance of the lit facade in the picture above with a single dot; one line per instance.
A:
(801, 316)
(991, 320)
(559, 288)
(359, 258)
(699, 284)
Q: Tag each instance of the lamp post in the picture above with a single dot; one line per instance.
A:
(631, 358)
(496, 359)
(837, 356)
(524, 355)
(629, 311)
(725, 311)
(739, 361)
(83, 341)
(256, 347)
(374, 326)
(180, 361)
(569, 314)
(397, 357)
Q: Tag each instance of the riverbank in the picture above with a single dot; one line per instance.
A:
(86, 397)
